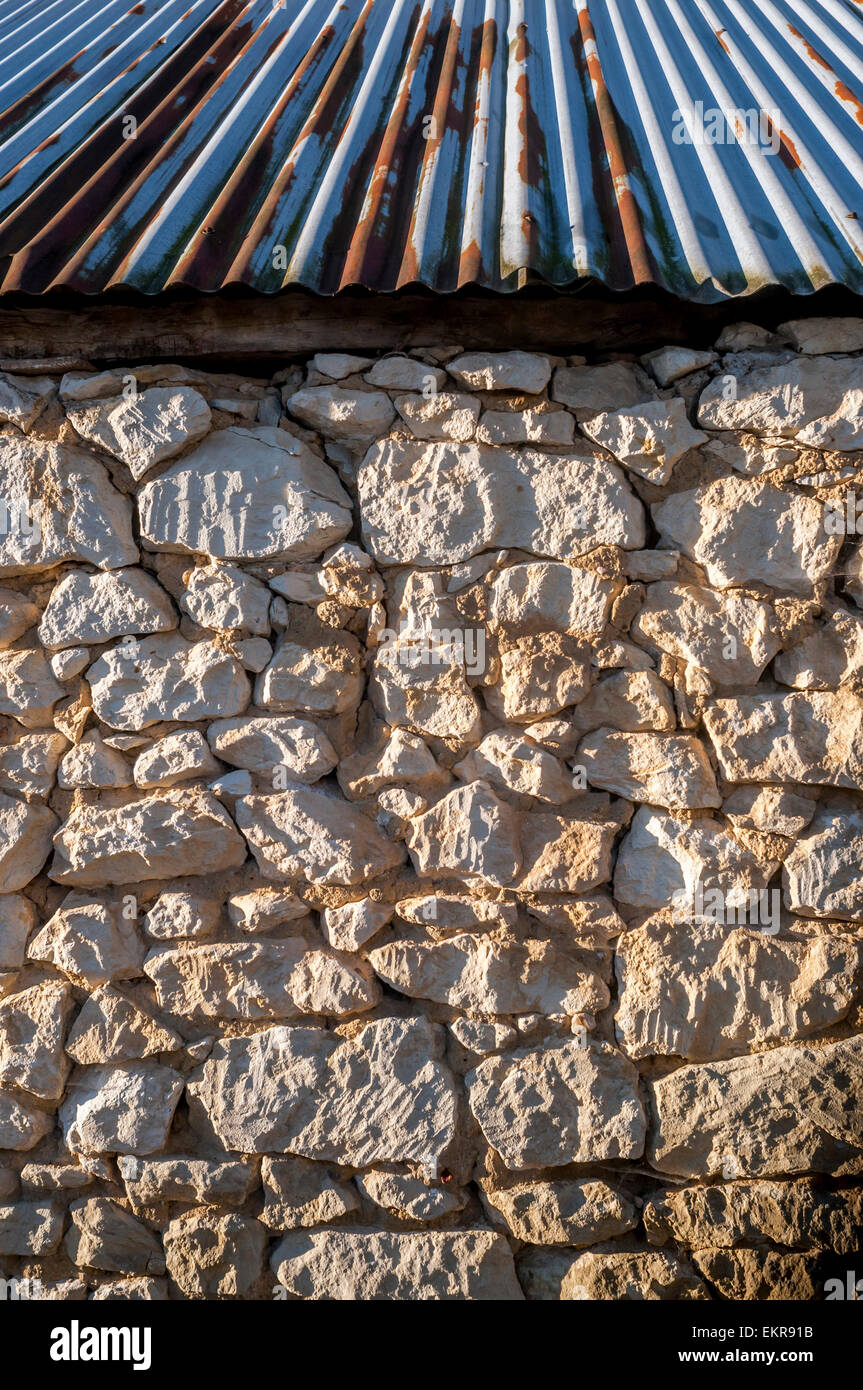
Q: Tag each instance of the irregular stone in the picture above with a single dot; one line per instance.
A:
(406, 1197)
(774, 809)
(91, 939)
(405, 374)
(750, 453)
(395, 758)
(669, 770)
(438, 504)
(128, 1290)
(633, 1274)
(591, 921)
(349, 576)
(226, 599)
(22, 1125)
(559, 1104)
(419, 680)
(696, 990)
(488, 977)
(93, 608)
(25, 841)
(796, 1214)
(102, 1235)
(819, 334)
(745, 531)
(121, 1109)
(246, 494)
(468, 832)
(175, 758)
(540, 674)
(17, 615)
(510, 761)
(811, 738)
(32, 1028)
(347, 928)
(669, 364)
(28, 767)
(151, 1181)
(650, 565)
(446, 913)
(23, 399)
(284, 1091)
(338, 364)
(565, 853)
(17, 920)
(215, 1256)
(729, 636)
(757, 1274)
(664, 859)
(789, 1110)
(139, 683)
(821, 874)
(526, 427)
(303, 833)
(145, 428)
(561, 1213)
(502, 371)
(649, 438)
(390, 1266)
(30, 1228)
(177, 832)
(262, 745)
(28, 689)
(93, 764)
(634, 701)
(816, 403)
(314, 669)
(184, 912)
(545, 596)
(828, 657)
(60, 506)
(445, 415)
(299, 1193)
(69, 663)
(342, 413)
(264, 908)
(112, 1028)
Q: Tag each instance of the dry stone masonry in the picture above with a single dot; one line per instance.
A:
(431, 825)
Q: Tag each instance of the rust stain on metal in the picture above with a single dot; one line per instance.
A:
(845, 94)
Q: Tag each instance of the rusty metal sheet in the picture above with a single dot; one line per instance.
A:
(712, 147)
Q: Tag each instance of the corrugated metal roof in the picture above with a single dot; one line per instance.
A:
(441, 142)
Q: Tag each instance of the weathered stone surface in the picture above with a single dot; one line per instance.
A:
(102, 1235)
(150, 1181)
(635, 701)
(828, 657)
(25, 841)
(226, 599)
(696, 990)
(213, 1256)
(819, 334)
(176, 832)
(304, 833)
(28, 767)
(546, 596)
(509, 760)
(386, 1266)
(795, 1214)
(526, 427)
(264, 908)
(745, 531)
(560, 1213)
(184, 912)
(314, 669)
(139, 683)
(469, 832)
(30, 1228)
(347, 928)
(396, 757)
(60, 505)
(17, 615)
(22, 1124)
(774, 809)
(664, 859)
(381, 1096)
(488, 977)
(124, 1109)
(17, 920)
(23, 398)
(649, 438)
(145, 428)
(668, 364)
(565, 853)
(610, 386)
(338, 364)
(269, 979)
(300, 1193)
(93, 764)
(437, 504)
(175, 758)
(669, 770)
(32, 1028)
(253, 494)
(338, 412)
(131, 1290)
(757, 1274)
(821, 875)
(789, 1110)
(540, 674)
(730, 636)
(28, 689)
(502, 371)
(113, 1028)
(623, 1275)
(816, 403)
(559, 1104)
(812, 738)
(399, 373)
(420, 682)
(408, 1198)
(91, 939)
(262, 745)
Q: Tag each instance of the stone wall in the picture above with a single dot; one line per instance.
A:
(431, 816)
